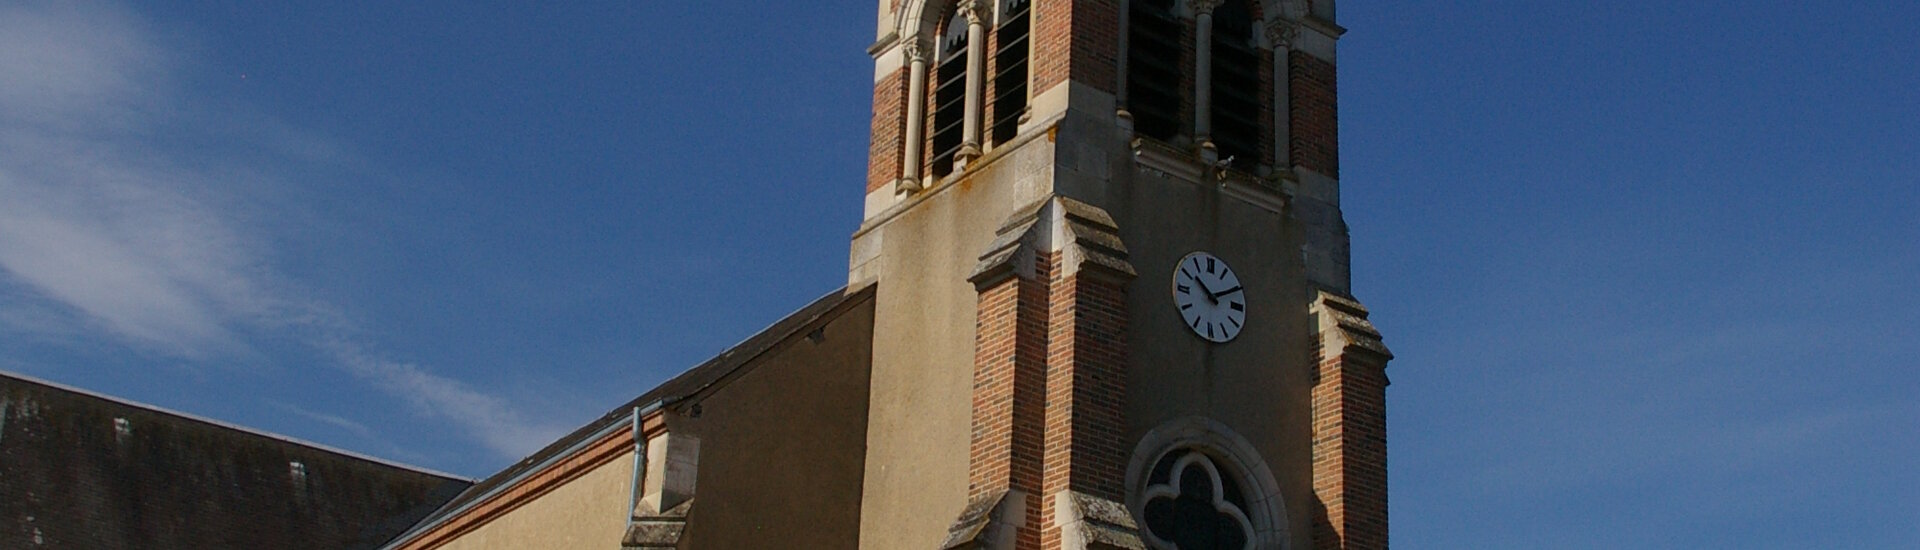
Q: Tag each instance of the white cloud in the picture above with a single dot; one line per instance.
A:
(69, 60)
(86, 218)
(492, 420)
(334, 420)
(101, 229)
(141, 259)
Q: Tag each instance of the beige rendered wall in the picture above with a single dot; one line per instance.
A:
(918, 431)
(588, 512)
(781, 446)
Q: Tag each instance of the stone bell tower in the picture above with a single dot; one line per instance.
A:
(1112, 297)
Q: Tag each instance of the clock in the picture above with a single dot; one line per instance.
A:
(1209, 297)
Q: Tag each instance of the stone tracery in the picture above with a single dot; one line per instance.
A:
(1195, 508)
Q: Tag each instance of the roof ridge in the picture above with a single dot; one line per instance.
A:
(823, 307)
(231, 426)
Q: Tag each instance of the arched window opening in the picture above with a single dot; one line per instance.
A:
(949, 95)
(1192, 502)
(1010, 68)
(1194, 483)
(1153, 68)
(1235, 118)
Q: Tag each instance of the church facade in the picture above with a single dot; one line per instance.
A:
(1100, 298)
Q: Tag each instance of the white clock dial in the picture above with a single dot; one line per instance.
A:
(1209, 297)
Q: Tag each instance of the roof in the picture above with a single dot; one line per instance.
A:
(697, 381)
(92, 471)
(189, 417)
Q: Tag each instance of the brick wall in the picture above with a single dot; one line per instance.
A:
(1009, 392)
(1350, 456)
(1077, 39)
(1266, 107)
(1349, 399)
(1315, 113)
(1086, 388)
(1189, 78)
(888, 140)
(1049, 384)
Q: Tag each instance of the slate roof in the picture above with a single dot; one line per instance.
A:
(83, 470)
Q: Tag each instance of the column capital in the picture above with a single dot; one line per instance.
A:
(913, 51)
(977, 12)
(1281, 33)
(1203, 7)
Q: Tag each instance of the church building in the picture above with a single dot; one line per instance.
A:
(1099, 298)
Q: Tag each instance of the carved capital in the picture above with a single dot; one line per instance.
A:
(1281, 33)
(1203, 7)
(977, 12)
(914, 51)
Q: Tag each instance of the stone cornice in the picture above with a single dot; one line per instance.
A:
(1085, 236)
(1087, 521)
(880, 46)
(1158, 156)
(1329, 28)
(989, 521)
(1344, 327)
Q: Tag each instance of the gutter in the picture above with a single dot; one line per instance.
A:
(515, 481)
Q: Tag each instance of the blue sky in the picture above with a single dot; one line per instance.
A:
(1649, 269)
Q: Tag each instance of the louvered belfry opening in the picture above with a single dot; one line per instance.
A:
(1236, 85)
(1010, 68)
(949, 95)
(1153, 68)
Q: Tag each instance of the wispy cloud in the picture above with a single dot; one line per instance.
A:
(105, 235)
(75, 63)
(337, 421)
(492, 420)
(86, 221)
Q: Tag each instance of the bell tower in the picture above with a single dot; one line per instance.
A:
(1112, 304)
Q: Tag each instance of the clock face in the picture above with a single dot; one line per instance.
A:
(1209, 297)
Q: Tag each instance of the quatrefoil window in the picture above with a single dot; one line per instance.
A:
(1190, 506)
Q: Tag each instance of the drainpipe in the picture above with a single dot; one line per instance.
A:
(640, 456)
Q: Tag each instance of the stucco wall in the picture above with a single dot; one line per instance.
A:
(782, 446)
(916, 475)
(588, 512)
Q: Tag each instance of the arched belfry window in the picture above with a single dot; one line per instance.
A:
(1153, 68)
(949, 94)
(1010, 67)
(1235, 115)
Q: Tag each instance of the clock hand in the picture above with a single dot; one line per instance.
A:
(1203, 287)
(1217, 295)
